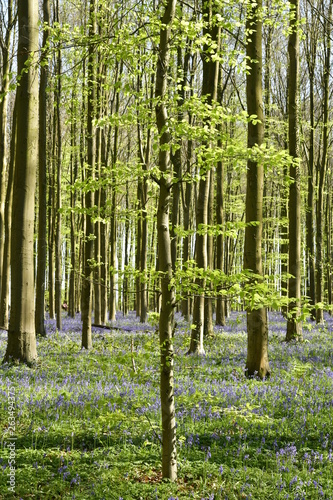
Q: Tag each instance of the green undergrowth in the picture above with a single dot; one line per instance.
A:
(87, 424)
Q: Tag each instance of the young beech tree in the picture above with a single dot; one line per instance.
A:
(322, 167)
(294, 326)
(5, 279)
(5, 57)
(21, 344)
(311, 42)
(209, 91)
(166, 321)
(42, 180)
(257, 328)
(89, 195)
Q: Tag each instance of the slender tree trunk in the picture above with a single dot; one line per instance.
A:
(196, 344)
(329, 248)
(89, 196)
(113, 239)
(310, 204)
(257, 327)
(322, 173)
(42, 179)
(4, 89)
(143, 254)
(73, 174)
(138, 250)
(21, 344)
(186, 302)
(187, 210)
(104, 245)
(220, 313)
(51, 239)
(208, 323)
(166, 321)
(209, 90)
(113, 224)
(97, 241)
(144, 155)
(98, 284)
(294, 326)
(126, 252)
(58, 245)
(5, 281)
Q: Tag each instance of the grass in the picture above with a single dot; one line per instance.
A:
(87, 426)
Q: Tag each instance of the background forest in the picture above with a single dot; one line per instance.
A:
(168, 165)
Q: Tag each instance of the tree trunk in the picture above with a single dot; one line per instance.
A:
(58, 245)
(329, 246)
(220, 313)
(166, 321)
(197, 332)
(322, 173)
(5, 281)
(4, 90)
(21, 344)
(97, 228)
(208, 323)
(310, 203)
(209, 91)
(104, 245)
(294, 326)
(89, 196)
(73, 174)
(42, 179)
(126, 252)
(257, 328)
(113, 236)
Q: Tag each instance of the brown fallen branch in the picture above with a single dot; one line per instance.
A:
(109, 327)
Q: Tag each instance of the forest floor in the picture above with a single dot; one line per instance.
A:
(88, 426)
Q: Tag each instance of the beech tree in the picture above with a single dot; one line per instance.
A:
(89, 195)
(322, 165)
(166, 319)
(5, 48)
(42, 177)
(294, 326)
(21, 344)
(257, 327)
(205, 192)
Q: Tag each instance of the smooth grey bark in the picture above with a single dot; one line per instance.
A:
(294, 325)
(329, 246)
(187, 206)
(166, 320)
(126, 252)
(113, 222)
(4, 92)
(73, 239)
(208, 321)
(58, 245)
(311, 57)
(42, 179)
(220, 311)
(5, 281)
(322, 174)
(51, 238)
(86, 296)
(197, 332)
(209, 91)
(21, 345)
(104, 244)
(257, 327)
(144, 155)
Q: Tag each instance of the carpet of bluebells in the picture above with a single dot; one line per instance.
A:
(87, 424)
